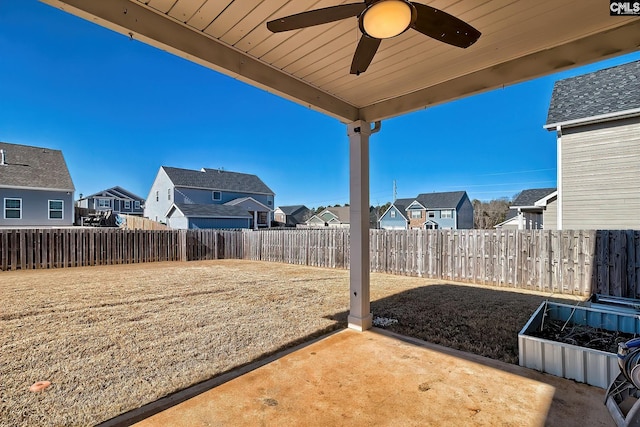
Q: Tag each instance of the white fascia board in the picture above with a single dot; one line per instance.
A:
(545, 200)
(619, 115)
(173, 206)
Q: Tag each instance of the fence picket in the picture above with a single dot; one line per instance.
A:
(574, 262)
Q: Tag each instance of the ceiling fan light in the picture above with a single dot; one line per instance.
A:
(387, 18)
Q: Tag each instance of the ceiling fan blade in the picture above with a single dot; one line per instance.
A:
(366, 50)
(444, 27)
(316, 17)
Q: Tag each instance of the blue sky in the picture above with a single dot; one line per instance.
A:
(119, 109)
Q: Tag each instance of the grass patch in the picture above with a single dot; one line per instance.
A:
(113, 338)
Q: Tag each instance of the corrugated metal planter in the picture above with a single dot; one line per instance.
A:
(594, 367)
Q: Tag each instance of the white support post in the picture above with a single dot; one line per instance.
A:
(559, 204)
(360, 317)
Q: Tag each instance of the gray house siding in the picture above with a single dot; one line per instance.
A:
(435, 215)
(35, 208)
(388, 222)
(600, 176)
(201, 196)
(464, 215)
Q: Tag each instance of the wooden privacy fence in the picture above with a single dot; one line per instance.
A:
(570, 262)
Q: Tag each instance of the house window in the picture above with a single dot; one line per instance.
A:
(416, 214)
(104, 203)
(168, 194)
(216, 195)
(393, 214)
(56, 209)
(432, 214)
(12, 208)
(127, 204)
(136, 205)
(446, 214)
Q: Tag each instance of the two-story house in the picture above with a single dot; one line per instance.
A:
(596, 118)
(115, 199)
(209, 198)
(446, 210)
(36, 189)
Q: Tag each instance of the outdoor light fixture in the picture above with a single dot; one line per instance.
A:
(387, 18)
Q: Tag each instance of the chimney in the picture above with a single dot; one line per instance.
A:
(3, 159)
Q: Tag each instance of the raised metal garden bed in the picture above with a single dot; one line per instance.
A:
(595, 367)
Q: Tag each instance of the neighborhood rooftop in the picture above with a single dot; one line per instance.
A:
(216, 179)
(531, 196)
(34, 167)
(449, 199)
(595, 94)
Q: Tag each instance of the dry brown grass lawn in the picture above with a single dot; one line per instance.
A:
(111, 339)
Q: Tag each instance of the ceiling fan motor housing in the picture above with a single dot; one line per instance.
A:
(384, 19)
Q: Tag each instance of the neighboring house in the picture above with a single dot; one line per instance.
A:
(447, 210)
(330, 217)
(209, 198)
(527, 211)
(291, 216)
(395, 217)
(115, 199)
(36, 189)
(596, 118)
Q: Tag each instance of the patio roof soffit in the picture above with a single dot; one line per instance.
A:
(141, 22)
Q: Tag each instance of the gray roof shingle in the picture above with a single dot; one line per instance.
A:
(531, 196)
(402, 204)
(34, 167)
(117, 192)
(447, 200)
(291, 210)
(607, 91)
(214, 179)
(212, 211)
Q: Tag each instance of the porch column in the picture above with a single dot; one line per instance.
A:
(255, 220)
(360, 317)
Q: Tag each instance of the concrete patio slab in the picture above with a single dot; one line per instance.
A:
(355, 378)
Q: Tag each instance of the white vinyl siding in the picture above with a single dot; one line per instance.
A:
(601, 176)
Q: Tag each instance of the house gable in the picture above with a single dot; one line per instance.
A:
(36, 189)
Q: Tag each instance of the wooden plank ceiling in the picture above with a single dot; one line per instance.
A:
(521, 39)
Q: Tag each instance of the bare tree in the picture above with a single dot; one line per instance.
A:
(487, 214)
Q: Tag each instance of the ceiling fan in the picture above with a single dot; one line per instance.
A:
(383, 19)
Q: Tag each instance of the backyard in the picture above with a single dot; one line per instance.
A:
(112, 338)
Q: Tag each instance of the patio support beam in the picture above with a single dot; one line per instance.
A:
(360, 317)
